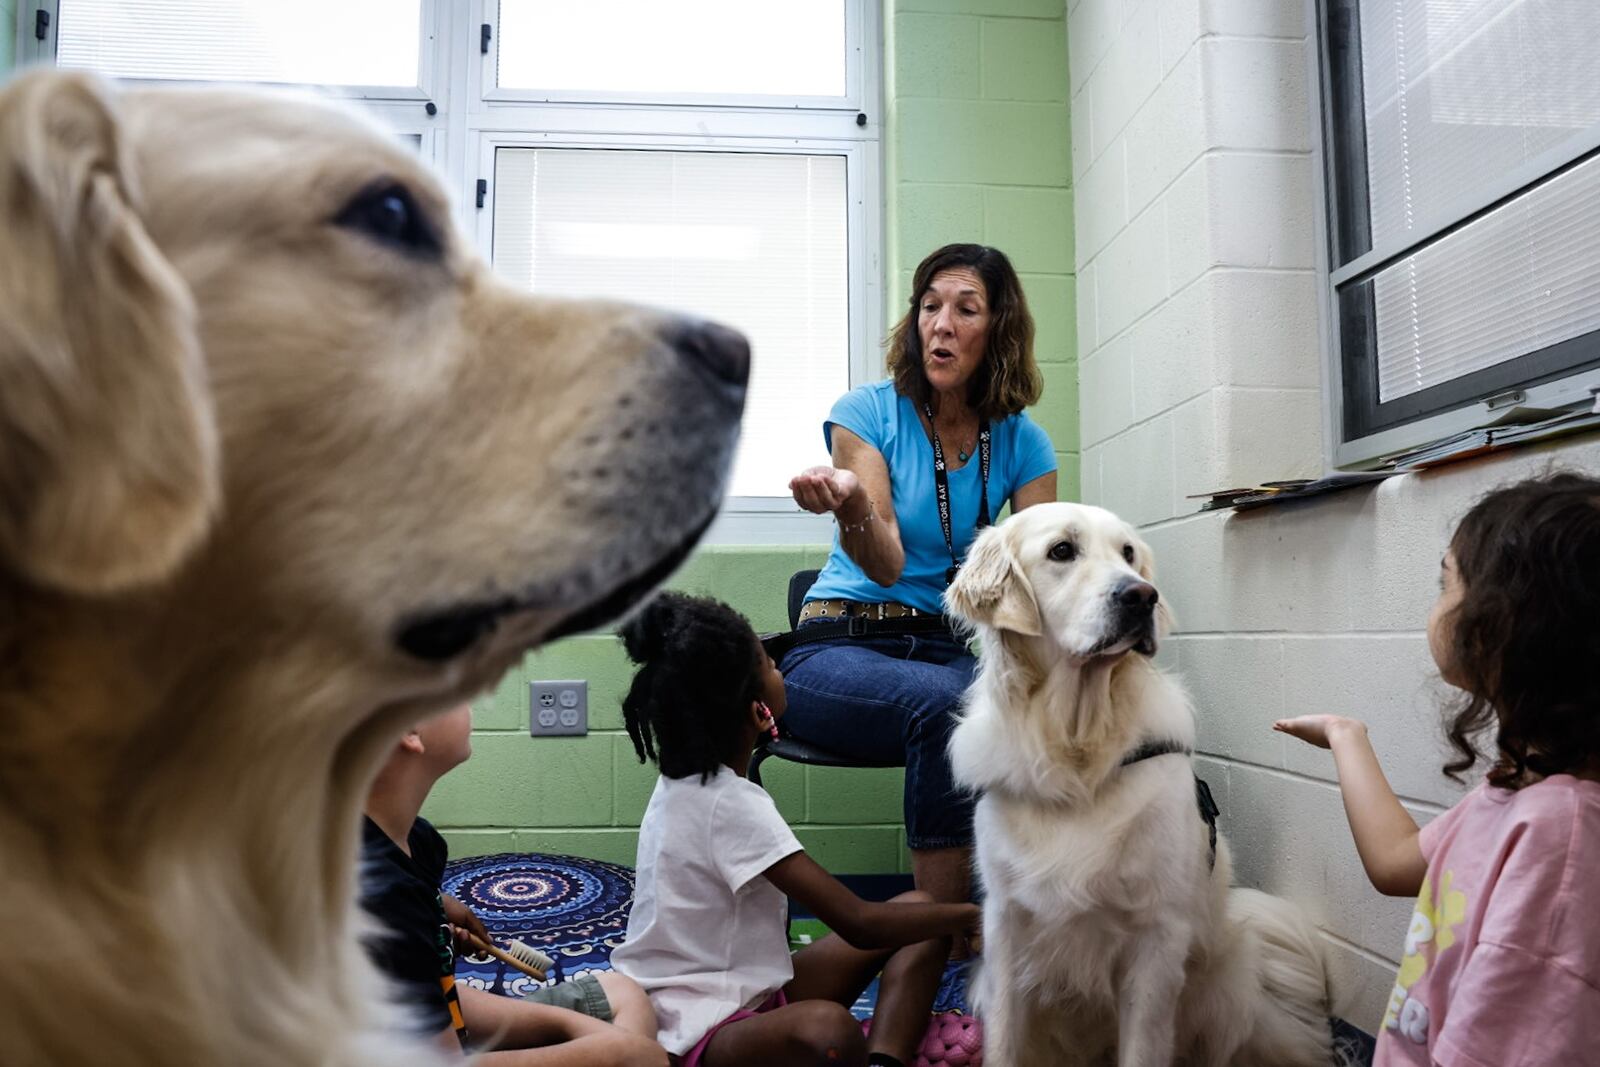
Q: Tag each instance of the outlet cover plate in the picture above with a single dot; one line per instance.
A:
(558, 709)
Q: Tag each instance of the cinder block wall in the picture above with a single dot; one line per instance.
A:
(1201, 369)
(978, 149)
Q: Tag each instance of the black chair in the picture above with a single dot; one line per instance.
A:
(791, 748)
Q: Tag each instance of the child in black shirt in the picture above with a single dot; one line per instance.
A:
(403, 865)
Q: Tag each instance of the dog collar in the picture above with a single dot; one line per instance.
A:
(1155, 747)
(1202, 792)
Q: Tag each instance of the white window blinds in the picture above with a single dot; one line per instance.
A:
(757, 241)
(1459, 95)
(1518, 280)
(721, 47)
(316, 42)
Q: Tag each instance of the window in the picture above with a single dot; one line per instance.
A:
(710, 48)
(718, 157)
(755, 239)
(357, 43)
(1461, 165)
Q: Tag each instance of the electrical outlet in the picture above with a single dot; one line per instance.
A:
(559, 709)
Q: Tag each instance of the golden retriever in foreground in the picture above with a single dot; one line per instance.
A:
(282, 469)
(1110, 932)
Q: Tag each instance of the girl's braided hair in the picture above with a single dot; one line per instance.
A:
(698, 672)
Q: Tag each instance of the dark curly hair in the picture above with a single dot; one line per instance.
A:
(1525, 636)
(1008, 379)
(699, 669)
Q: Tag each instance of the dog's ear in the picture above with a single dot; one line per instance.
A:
(108, 451)
(991, 590)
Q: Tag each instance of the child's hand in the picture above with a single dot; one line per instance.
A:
(462, 917)
(1319, 730)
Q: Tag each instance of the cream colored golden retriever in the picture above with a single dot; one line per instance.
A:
(282, 469)
(1110, 931)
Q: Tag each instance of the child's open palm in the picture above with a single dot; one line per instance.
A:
(1317, 729)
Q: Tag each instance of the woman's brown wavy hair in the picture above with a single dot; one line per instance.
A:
(1008, 379)
(1525, 637)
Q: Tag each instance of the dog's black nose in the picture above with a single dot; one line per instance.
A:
(1136, 596)
(723, 352)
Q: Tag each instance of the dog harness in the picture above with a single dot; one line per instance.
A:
(1202, 792)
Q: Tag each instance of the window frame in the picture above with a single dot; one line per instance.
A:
(431, 60)
(473, 119)
(852, 100)
(1360, 429)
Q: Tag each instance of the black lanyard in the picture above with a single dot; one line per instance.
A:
(941, 483)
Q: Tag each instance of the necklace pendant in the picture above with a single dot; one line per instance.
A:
(963, 454)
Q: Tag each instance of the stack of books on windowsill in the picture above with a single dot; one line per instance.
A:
(1518, 425)
(1282, 492)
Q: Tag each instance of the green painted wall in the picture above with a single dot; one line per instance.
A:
(8, 34)
(585, 795)
(976, 147)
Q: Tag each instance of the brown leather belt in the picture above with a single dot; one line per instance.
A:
(824, 620)
(846, 609)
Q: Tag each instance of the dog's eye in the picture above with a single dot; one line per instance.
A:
(388, 214)
(1127, 553)
(1063, 551)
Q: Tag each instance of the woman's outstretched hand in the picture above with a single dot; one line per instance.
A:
(1319, 730)
(822, 490)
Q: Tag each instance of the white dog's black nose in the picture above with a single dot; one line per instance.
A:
(723, 352)
(1136, 596)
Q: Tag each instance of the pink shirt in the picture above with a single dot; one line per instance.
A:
(1502, 961)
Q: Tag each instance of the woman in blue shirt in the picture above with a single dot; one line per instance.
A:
(961, 372)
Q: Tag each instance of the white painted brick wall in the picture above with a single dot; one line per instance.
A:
(1132, 274)
(1136, 472)
(1109, 373)
(1127, 76)
(1201, 368)
(1106, 183)
(1167, 134)
(1247, 81)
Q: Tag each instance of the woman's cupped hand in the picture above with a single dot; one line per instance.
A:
(822, 490)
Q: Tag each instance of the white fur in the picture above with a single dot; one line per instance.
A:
(1108, 935)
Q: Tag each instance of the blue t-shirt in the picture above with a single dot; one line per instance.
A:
(1019, 452)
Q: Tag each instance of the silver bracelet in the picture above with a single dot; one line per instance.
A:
(856, 527)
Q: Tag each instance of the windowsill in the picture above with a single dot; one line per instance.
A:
(768, 521)
(1341, 480)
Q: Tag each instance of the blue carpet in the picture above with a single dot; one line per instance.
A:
(570, 908)
(576, 911)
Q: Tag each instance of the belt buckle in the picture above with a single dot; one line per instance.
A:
(857, 625)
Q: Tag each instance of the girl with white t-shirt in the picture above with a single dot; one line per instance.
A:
(708, 933)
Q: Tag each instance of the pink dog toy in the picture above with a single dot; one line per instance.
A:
(952, 1040)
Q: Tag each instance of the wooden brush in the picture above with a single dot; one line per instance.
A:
(519, 954)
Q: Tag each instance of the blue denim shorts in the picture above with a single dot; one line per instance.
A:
(889, 698)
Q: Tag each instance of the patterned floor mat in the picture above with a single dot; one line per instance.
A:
(576, 911)
(571, 908)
